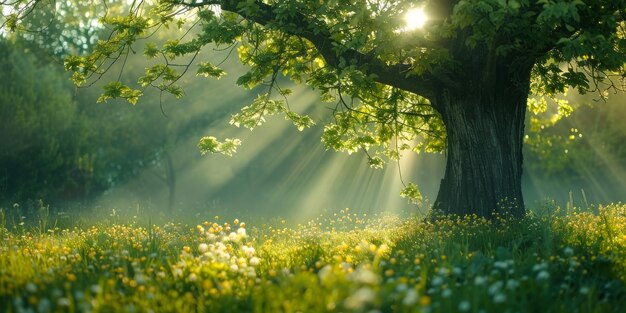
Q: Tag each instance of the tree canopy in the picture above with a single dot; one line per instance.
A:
(460, 82)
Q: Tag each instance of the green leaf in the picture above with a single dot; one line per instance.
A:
(207, 69)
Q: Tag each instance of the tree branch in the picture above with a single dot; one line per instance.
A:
(396, 75)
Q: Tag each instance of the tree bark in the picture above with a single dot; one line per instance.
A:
(485, 132)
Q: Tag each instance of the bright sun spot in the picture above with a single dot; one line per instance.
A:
(415, 18)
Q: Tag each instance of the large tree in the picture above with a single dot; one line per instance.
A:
(460, 82)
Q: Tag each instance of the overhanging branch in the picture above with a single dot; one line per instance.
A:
(396, 75)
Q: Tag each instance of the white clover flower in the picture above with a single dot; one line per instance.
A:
(480, 280)
(31, 287)
(464, 306)
(401, 287)
(364, 276)
(203, 247)
(44, 305)
(411, 297)
(568, 251)
(63, 302)
(193, 277)
(232, 236)
(324, 272)
(248, 251)
(361, 297)
(97, 289)
(254, 261)
(512, 284)
(234, 267)
(178, 272)
(499, 298)
(437, 281)
(495, 287)
(241, 232)
(543, 275)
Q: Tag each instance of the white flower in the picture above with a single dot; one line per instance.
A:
(437, 281)
(324, 272)
(410, 298)
(568, 251)
(193, 277)
(30, 287)
(464, 306)
(499, 298)
(249, 251)
(232, 236)
(446, 293)
(495, 287)
(234, 267)
(512, 284)
(480, 280)
(63, 302)
(361, 297)
(543, 275)
(203, 247)
(178, 272)
(241, 232)
(254, 261)
(364, 276)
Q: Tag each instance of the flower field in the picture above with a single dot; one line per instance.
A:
(345, 262)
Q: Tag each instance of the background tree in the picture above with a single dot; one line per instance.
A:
(460, 82)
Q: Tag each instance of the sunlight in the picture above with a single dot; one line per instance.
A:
(415, 18)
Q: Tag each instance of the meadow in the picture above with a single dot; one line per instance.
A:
(550, 261)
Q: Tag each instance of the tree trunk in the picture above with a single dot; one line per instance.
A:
(485, 129)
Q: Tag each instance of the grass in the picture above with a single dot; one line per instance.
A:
(552, 262)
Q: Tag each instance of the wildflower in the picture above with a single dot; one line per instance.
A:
(584, 290)
(437, 281)
(512, 284)
(178, 272)
(446, 293)
(360, 298)
(410, 298)
(364, 276)
(568, 251)
(543, 275)
(499, 298)
(254, 261)
(464, 306)
(480, 280)
(203, 247)
(63, 302)
(30, 287)
(241, 231)
(193, 277)
(495, 287)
